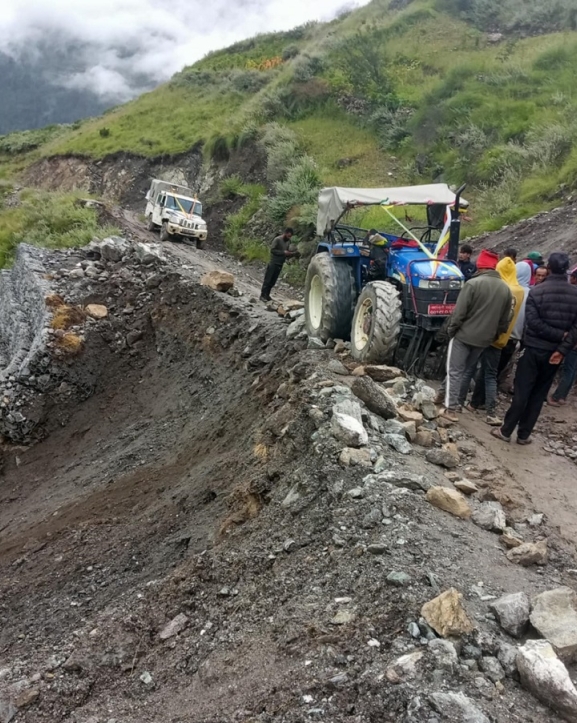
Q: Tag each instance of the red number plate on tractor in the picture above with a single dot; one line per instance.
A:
(441, 309)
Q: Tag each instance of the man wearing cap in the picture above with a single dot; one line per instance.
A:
(482, 313)
(535, 261)
(550, 334)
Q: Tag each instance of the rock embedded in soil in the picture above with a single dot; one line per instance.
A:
(351, 457)
(7, 710)
(377, 399)
(382, 373)
(444, 653)
(96, 311)
(492, 668)
(450, 501)
(490, 516)
(406, 414)
(457, 707)
(447, 456)
(544, 675)
(349, 430)
(174, 627)
(404, 668)
(466, 486)
(446, 614)
(512, 612)
(554, 617)
(398, 579)
(529, 553)
(337, 367)
(406, 480)
(511, 538)
(343, 617)
(218, 280)
(424, 438)
(295, 328)
(398, 443)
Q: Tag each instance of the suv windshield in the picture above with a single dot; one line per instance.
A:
(184, 204)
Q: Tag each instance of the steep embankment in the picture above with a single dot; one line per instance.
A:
(233, 527)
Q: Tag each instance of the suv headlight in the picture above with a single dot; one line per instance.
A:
(455, 284)
(429, 284)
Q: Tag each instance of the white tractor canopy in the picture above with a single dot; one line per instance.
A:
(333, 202)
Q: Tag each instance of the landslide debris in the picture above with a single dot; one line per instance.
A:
(217, 522)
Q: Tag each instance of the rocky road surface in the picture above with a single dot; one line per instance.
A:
(234, 523)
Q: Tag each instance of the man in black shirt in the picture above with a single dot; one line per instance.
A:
(279, 253)
(468, 268)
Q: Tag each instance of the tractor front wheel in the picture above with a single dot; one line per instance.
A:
(376, 323)
(329, 298)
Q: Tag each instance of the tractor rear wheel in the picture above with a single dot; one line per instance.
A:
(329, 298)
(376, 323)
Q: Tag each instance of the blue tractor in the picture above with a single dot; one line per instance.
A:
(392, 308)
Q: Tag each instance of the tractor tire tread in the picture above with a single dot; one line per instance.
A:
(339, 295)
(386, 326)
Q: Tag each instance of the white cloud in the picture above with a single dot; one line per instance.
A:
(120, 39)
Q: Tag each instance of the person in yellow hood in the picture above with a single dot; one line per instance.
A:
(486, 380)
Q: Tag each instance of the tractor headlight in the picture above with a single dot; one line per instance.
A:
(429, 284)
(455, 284)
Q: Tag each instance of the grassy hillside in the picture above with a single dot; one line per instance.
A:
(400, 91)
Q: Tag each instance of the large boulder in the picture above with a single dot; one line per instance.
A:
(554, 617)
(445, 456)
(529, 553)
(457, 707)
(349, 430)
(377, 399)
(218, 280)
(449, 500)
(512, 612)
(490, 516)
(446, 614)
(545, 676)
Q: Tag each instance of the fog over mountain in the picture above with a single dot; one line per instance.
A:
(61, 60)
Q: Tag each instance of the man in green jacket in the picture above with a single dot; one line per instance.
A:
(483, 311)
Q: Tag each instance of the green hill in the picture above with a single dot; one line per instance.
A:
(399, 91)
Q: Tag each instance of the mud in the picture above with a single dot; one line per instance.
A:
(200, 479)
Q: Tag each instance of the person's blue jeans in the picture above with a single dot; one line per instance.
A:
(568, 375)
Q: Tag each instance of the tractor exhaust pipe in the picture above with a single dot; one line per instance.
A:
(455, 230)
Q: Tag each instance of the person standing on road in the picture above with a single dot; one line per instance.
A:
(535, 260)
(569, 368)
(468, 268)
(507, 362)
(482, 313)
(486, 381)
(550, 334)
(279, 253)
(541, 274)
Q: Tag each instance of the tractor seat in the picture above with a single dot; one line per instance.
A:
(403, 243)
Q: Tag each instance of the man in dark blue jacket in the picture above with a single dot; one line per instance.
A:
(550, 334)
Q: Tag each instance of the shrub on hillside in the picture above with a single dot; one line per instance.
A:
(23, 141)
(306, 67)
(248, 81)
(291, 51)
(52, 220)
(300, 188)
(391, 126)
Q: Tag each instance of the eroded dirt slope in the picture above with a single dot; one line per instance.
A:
(203, 486)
